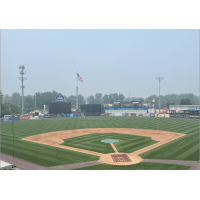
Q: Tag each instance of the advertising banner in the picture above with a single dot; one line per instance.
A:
(10, 118)
(152, 115)
(117, 114)
(41, 116)
(147, 115)
(75, 112)
(6, 118)
(24, 118)
(159, 115)
(126, 109)
(133, 114)
(193, 108)
(123, 114)
(164, 111)
(140, 114)
(59, 98)
(179, 116)
(129, 115)
(14, 118)
(71, 115)
(167, 115)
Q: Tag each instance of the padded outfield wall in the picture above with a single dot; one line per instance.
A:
(126, 110)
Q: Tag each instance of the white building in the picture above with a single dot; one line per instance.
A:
(186, 109)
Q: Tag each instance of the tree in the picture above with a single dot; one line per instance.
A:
(72, 99)
(91, 99)
(185, 102)
(169, 103)
(127, 99)
(7, 99)
(1, 101)
(106, 99)
(5, 110)
(121, 97)
(98, 97)
(16, 98)
(14, 109)
(81, 100)
(182, 102)
(29, 103)
(188, 102)
(1, 97)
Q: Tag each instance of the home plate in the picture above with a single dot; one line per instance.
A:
(120, 158)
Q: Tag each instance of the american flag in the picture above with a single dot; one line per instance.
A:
(79, 78)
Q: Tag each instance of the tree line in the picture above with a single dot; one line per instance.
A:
(13, 104)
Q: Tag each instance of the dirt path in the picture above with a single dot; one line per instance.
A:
(114, 148)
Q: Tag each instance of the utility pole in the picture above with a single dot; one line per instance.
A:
(35, 101)
(22, 79)
(159, 80)
(76, 91)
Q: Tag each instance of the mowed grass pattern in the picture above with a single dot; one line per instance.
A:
(92, 142)
(139, 166)
(42, 154)
(184, 148)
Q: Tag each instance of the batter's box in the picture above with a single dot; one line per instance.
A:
(121, 158)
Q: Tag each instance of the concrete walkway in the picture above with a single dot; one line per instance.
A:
(74, 166)
(194, 165)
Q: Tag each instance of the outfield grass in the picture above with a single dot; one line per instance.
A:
(184, 148)
(92, 142)
(139, 166)
(42, 154)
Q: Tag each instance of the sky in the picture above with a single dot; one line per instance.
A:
(108, 60)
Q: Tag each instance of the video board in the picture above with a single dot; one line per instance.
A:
(59, 107)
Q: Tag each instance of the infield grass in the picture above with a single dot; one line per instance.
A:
(184, 148)
(92, 142)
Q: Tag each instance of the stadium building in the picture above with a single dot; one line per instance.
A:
(185, 111)
(132, 108)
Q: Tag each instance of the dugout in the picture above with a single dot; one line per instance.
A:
(59, 108)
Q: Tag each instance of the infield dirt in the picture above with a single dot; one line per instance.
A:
(57, 138)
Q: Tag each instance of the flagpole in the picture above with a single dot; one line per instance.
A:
(76, 91)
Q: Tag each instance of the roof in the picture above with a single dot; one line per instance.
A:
(185, 105)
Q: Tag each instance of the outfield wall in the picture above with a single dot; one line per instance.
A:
(126, 110)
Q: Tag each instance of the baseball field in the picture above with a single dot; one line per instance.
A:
(117, 143)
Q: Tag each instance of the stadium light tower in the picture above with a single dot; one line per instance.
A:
(159, 80)
(22, 79)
